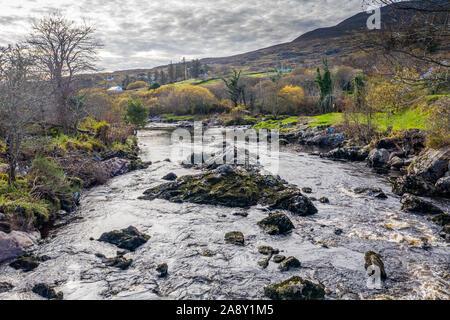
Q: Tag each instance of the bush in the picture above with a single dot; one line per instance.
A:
(51, 183)
(137, 85)
(439, 126)
(154, 86)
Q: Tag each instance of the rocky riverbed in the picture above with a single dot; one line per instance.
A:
(201, 244)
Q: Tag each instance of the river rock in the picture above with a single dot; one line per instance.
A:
(443, 187)
(116, 166)
(445, 233)
(323, 139)
(278, 258)
(5, 227)
(415, 204)
(371, 191)
(324, 200)
(170, 176)
(16, 243)
(234, 187)
(129, 238)
(119, 262)
(276, 223)
(162, 270)
(295, 288)
(347, 153)
(45, 291)
(307, 190)
(26, 262)
(378, 158)
(267, 250)
(441, 219)
(234, 237)
(396, 162)
(289, 263)
(372, 258)
(5, 287)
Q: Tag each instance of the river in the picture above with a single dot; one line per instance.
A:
(190, 239)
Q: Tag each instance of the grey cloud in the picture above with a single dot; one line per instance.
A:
(142, 33)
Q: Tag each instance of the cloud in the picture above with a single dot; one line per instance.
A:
(142, 34)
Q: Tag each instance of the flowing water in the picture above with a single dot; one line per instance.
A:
(190, 239)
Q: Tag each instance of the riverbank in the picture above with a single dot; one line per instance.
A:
(54, 171)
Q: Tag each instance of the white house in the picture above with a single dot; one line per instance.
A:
(115, 89)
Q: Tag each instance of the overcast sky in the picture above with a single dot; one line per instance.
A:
(148, 33)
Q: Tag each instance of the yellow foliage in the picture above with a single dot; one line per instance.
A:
(292, 94)
(137, 85)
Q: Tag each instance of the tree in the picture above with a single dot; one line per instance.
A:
(196, 68)
(154, 85)
(234, 89)
(163, 77)
(22, 93)
(63, 50)
(292, 98)
(136, 113)
(171, 73)
(325, 87)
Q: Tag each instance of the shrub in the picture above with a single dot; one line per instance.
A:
(439, 126)
(137, 85)
(154, 86)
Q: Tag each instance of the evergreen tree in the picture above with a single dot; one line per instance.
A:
(171, 72)
(325, 87)
(162, 77)
(136, 113)
(196, 68)
(235, 91)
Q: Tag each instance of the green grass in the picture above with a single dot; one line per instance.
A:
(168, 116)
(408, 119)
(281, 124)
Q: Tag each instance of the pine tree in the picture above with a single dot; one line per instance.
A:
(325, 87)
(171, 72)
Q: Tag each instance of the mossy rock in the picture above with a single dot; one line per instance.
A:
(295, 288)
(45, 291)
(235, 237)
(442, 219)
(233, 187)
(289, 263)
(129, 238)
(276, 223)
(119, 262)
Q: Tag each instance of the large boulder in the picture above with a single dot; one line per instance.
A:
(276, 223)
(323, 139)
(45, 291)
(16, 243)
(415, 204)
(378, 158)
(295, 288)
(234, 187)
(427, 175)
(129, 238)
(116, 166)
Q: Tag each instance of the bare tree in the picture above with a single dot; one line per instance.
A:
(415, 33)
(63, 50)
(22, 95)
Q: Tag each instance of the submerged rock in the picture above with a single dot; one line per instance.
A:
(415, 204)
(307, 190)
(372, 258)
(45, 291)
(233, 187)
(5, 287)
(234, 237)
(278, 258)
(162, 270)
(170, 176)
(26, 262)
(371, 191)
(295, 288)
(129, 238)
(289, 263)
(443, 187)
(276, 223)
